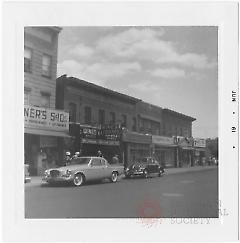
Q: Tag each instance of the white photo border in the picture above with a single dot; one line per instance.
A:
(16, 15)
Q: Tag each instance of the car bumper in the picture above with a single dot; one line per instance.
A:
(130, 173)
(56, 179)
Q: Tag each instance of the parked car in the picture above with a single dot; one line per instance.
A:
(27, 177)
(144, 167)
(83, 169)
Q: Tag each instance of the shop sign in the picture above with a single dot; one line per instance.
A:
(185, 143)
(88, 132)
(199, 142)
(100, 142)
(134, 137)
(106, 133)
(40, 117)
(109, 133)
(161, 140)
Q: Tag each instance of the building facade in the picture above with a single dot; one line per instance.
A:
(44, 126)
(134, 128)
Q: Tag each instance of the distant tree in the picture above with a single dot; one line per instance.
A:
(212, 147)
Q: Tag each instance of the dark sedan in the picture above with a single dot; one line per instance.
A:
(144, 167)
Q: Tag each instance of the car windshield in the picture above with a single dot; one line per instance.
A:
(80, 161)
(145, 160)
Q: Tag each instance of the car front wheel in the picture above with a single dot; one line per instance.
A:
(114, 177)
(145, 173)
(78, 180)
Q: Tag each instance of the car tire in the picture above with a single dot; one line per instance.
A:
(114, 177)
(78, 179)
(145, 173)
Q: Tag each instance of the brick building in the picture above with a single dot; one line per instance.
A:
(146, 129)
(43, 125)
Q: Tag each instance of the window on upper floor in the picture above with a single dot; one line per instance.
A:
(101, 117)
(124, 120)
(72, 111)
(45, 100)
(88, 114)
(46, 65)
(163, 130)
(134, 126)
(181, 131)
(27, 60)
(112, 118)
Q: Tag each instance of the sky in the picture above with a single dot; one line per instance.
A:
(172, 67)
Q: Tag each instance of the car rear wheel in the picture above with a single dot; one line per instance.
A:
(160, 173)
(78, 180)
(114, 176)
(145, 173)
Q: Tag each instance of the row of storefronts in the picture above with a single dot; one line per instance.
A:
(132, 146)
(48, 135)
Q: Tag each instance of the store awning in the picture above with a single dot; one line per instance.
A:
(200, 149)
(187, 148)
(46, 132)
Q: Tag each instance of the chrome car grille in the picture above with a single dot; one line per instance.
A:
(54, 173)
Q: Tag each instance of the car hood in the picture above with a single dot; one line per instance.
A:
(137, 164)
(71, 167)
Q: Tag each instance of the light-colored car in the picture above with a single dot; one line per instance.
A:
(84, 169)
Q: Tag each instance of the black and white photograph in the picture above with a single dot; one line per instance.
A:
(120, 116)
(121, 122)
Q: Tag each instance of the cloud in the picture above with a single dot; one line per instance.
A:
(146, 44)
(169, 73)
(144, 86)
(81, 51)
(97, 72)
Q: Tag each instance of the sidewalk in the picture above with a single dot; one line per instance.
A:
(37, 180)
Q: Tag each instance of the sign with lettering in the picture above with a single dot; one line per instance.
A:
(106, 133)
(88, 132)
(161, 140)
(199, 142)
(44, 118)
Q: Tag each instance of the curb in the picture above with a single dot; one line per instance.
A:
(38, 180)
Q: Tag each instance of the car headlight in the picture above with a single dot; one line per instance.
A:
(68, 173)
(46, 173)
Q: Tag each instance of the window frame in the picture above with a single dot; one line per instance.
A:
(29, 70)
(86, 120)
(49, 74)
(97, 159)
(101, 116)
(48, 95)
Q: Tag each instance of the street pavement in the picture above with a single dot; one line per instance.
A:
(191, 193)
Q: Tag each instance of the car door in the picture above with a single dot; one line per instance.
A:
(106, 168)
(96, 169)
(153, 167)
